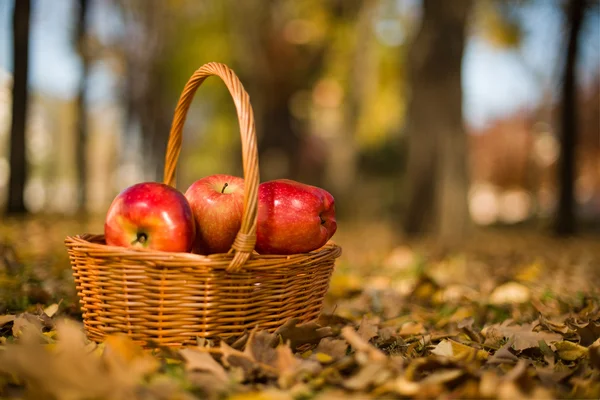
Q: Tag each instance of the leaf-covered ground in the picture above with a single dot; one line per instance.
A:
(507, 315)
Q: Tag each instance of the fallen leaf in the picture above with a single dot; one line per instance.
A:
(594, 351)
(298, 335)
(197, 360)
(569, 351)
(503, 356)
(335, 348)
(522, 336)
(360, 345)
(411, 329)
(587, 331)
(236, 359)
(370, 374)
(5, 319)
(51, 310)
(443, 376)
(323, 358)
(452, 349)
(510, 293)
(261, 347)
(27, 327)
(367, 329)
(126, 360)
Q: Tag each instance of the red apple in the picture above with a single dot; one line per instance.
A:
(151, 215)
(293, 217)
(217, 202)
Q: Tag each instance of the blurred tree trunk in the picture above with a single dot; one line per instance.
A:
(342, 163)
(18, 158)
(147, 107)
(274, 69)
(437, 169)
(565, 214)
(82, 126)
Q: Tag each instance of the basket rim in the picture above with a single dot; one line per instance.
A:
(93, 243)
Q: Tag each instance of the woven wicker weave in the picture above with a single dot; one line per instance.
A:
(172, 299)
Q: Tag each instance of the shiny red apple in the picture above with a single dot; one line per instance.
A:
(293, 217)
(217, 202)
(150, 215)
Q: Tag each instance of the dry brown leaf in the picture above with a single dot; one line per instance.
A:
(443, 376)
(360, 345)
(522, 336)
(594, 351)
(261, 347)
(66, 372)
(26, 324)
(301, 334)
(236, 359)
(197, 360)
(336, 348)
(372, 374)
(412, 329)
(5, 319)
(587, 331)
(488, 384)
(367, 329)
(503, 356)
(289, 367)
(126, 360)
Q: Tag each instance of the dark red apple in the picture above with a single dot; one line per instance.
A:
(217, 202)
(151, 215)
(293, 217)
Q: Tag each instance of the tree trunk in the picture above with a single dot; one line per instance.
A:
(145, 91)
(565, 213)
(18, 159)
(437, 169)
(82, 130)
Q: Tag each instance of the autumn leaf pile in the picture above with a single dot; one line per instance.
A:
(516, 319)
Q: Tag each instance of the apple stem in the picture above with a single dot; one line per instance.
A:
(141, 238)
(224, 186)
(322, 220)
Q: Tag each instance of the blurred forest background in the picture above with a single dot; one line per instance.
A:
(436, 116)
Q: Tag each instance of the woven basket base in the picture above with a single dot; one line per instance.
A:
(171, 299)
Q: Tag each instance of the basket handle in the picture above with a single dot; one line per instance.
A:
(246, 237)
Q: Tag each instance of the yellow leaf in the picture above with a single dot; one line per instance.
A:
(51, 310)
(459, 351)
(306, 354)
(323, 358)
(510, 293)
(411, 328)
(530, 273)
(570, 351)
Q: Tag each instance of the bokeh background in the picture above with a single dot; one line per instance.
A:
(432, 117)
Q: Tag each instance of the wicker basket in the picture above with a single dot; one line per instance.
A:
(172, 299)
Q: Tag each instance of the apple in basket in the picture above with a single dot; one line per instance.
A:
(150, 215)
(293, 217)
(217, 202)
